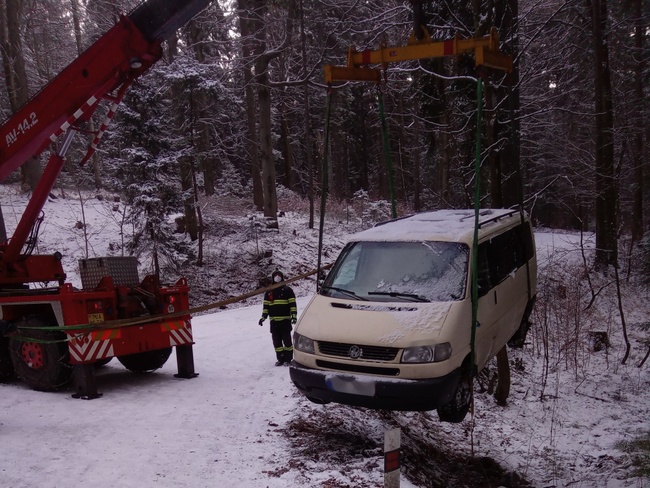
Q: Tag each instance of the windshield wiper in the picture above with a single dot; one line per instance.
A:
(344, 291)
(395, 294)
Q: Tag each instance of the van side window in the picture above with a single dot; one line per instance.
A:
(502, 255)
(503, 250)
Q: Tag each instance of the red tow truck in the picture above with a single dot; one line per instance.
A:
(64, 333)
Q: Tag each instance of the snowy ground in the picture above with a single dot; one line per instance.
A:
(241, 423)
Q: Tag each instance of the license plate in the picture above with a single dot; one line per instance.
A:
(352, 386)
(95, 318)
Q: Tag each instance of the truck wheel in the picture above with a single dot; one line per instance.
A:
(456, 410)
(44, 363)
(6, 368)
(144, 362)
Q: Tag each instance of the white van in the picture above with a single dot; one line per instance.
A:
(391, 326)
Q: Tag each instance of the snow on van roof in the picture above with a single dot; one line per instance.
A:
(440, 225)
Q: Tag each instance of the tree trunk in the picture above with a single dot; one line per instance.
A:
(287, 152)
(416, 166)
(16, 77)
(447, 149)
(496, 193)
(248, 23)
(199, 258)
(207, 165)
(510, 154)
(186, 168)
(76, 22)
(306, 122)
(638, 144)
(266, 145)
(189, 204)
(606, 244)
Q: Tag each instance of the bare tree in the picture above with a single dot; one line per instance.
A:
(606, 198)
(248, 24)
(15, 75)
(200, 103)
(639, 142)
(186, 166)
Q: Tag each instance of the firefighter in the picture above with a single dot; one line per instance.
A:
(280, 306)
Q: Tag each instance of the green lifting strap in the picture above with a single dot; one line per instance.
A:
(389, 163)
(324, 181)
(477, 205)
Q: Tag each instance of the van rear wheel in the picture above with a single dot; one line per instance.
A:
(456, 410)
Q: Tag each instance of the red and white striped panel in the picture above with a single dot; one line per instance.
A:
(180, 333)
(83, 348)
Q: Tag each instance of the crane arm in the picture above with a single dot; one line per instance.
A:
(103, 72)
(121, 55)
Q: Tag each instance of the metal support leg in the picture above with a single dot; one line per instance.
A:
(84, 382)
(185, 361)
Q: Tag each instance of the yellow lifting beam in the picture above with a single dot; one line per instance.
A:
(486, 53)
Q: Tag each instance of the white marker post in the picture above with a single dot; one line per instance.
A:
(392, 444)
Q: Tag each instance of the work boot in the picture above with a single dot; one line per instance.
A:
(279, 363)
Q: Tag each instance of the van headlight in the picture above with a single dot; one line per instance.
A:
(427, 354)
(302, 343)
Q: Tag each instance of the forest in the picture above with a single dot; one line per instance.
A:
(238, 115)
(239, 106)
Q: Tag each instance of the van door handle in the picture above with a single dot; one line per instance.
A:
(495, 297)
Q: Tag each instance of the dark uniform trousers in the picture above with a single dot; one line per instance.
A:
(281, 336)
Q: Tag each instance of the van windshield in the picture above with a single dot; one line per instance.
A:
(429, 271)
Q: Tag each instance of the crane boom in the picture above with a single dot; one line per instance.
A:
(103, 72)
(122, 54)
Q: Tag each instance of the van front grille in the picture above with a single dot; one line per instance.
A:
(369, 353)
(357, 368)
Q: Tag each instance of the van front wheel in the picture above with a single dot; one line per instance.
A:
(456, 410)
